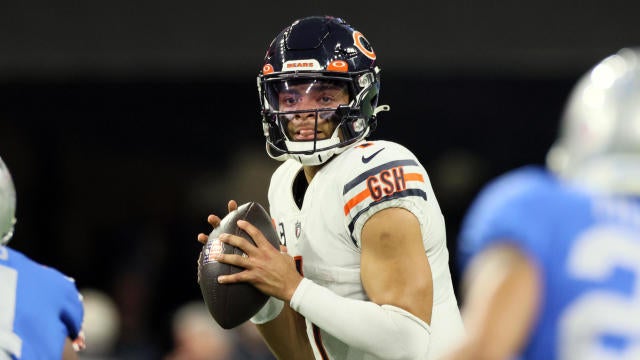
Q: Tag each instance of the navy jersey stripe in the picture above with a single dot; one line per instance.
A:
(318, 339)
(362, 177)
(397, 195)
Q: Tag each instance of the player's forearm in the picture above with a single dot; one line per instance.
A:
(384, 331)
(286, 336)
(68, 351)
(502, 291)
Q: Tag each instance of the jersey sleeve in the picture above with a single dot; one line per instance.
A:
(382, 175)
(70, 304)
(513, 209)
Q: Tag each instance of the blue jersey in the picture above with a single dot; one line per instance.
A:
(588, 249)
(39, 308)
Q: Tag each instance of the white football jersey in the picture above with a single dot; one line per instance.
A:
(324, 235)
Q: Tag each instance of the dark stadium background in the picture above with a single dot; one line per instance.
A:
(126, 123)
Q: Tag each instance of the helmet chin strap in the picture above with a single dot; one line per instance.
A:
(318, 157)
(327, 149)
(381, 108)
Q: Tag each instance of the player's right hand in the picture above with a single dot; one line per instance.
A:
(214, 221)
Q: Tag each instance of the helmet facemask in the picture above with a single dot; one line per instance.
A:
(311, 118)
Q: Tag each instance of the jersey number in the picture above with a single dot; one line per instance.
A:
(599, 313)
(9, 341)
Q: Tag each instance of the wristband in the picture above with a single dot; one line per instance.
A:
(269, 311)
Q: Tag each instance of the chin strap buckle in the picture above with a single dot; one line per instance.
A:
(381, 108)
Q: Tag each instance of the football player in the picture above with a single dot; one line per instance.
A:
(41, 311)
(365, 274)
(552, 255)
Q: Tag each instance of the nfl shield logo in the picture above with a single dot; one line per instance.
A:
(298, 229)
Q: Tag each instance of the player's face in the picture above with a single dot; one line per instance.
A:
(312, 96)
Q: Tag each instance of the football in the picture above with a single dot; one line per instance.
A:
(233, 304)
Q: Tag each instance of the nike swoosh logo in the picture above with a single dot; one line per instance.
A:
(367, 159)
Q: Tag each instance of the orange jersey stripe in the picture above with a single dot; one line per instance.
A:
(356, 200)
(366, 193)
(413, 177)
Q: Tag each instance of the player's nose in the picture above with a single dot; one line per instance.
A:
(306, 115)
(303, 114)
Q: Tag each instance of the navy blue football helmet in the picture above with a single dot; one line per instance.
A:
(319, 50)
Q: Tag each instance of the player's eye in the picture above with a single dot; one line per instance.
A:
(288, 100)
(326, 99)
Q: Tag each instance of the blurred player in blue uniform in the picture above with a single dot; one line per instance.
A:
(551, 256)
(41, 311)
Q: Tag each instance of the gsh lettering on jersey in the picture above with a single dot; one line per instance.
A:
(386, 183)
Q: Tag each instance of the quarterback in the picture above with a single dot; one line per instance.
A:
(41, 310)
(363, 272)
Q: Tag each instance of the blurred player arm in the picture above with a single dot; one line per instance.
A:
(69, 352)
(502, 292)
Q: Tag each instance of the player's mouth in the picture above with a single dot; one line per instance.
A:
(307, 135)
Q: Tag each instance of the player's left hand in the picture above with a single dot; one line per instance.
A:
(271, 271)
(214, 221)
